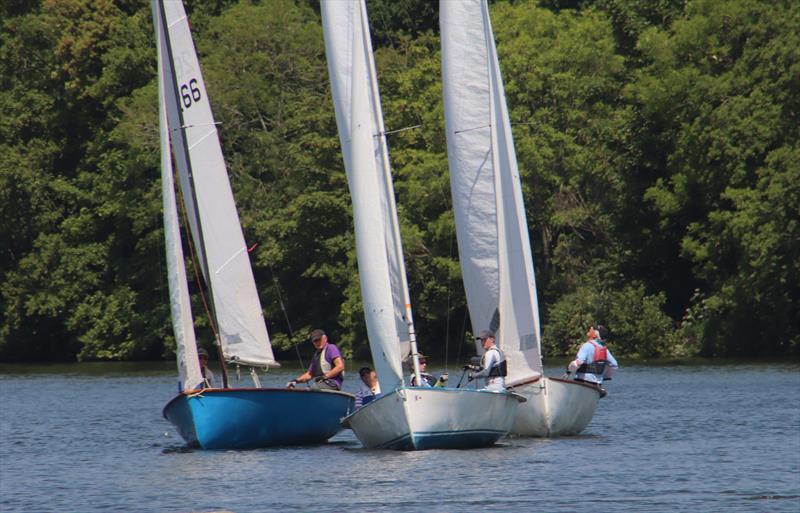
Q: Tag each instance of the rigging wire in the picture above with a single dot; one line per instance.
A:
(277, 286)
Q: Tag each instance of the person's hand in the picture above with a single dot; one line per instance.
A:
(472, 367)
(291, 384)
(444, 377)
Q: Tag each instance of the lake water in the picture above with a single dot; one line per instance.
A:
(90, 438)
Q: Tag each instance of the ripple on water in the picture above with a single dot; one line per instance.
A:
(675, 438)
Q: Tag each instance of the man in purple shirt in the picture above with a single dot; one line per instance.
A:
(327, 365)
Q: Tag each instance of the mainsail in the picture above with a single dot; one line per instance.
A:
(360, 123)
(207, 195)
(182, 325)
(493, 241)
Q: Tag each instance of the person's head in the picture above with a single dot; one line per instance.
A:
(319, 339)
(368, 376)
(487, 338)
(423, 363)
(591, 333)
(202, 355)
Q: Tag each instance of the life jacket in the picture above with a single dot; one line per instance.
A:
(320, 365)
(599, 361)
(428, 378)
(498, 370)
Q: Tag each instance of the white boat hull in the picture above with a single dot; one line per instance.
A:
(434, 418)
(554, 407)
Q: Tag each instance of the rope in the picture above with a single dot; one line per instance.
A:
(193, 258)
(285, 314)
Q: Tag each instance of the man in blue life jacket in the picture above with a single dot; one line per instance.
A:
(594, 362)
(493, 364)
(327, 365)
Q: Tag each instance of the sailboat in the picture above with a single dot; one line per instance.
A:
(493, 242)
(403, 417)
(226, 417)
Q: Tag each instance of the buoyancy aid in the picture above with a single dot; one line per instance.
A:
(599, 360)
(498, 369)
(320, 364)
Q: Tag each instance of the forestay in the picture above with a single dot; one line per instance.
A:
(208, 197)
(493, 241)
(360, 123)
(186, 346)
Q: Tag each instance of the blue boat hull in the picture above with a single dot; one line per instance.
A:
(248, 418)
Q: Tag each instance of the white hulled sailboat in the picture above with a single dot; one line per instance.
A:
(494, 247)
(402, 417)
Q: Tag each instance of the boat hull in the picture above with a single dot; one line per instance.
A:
(554, 407)
(410, 418)
(247, 418)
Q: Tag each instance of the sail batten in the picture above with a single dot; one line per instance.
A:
(493, 241)
(207, 194)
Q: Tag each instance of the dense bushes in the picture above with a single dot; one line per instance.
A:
(658, 143)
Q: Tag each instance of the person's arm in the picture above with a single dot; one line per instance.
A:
(490, 361)
(612, 366)
(338, 368)
(581, 358)
(304, 377)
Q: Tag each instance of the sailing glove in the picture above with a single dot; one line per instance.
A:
(291, 384)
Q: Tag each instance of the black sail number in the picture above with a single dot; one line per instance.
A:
(190, 93)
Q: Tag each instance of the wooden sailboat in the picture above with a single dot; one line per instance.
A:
(493, 242)
(226, 417)
(402, 417)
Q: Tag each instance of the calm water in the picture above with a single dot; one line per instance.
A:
(90, 438)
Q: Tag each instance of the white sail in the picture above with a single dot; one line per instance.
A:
(345, 24)
(360, 122)
(207, 194)
(182, 325)
(493, 241)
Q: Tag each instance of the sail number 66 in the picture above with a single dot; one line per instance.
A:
(195, 95)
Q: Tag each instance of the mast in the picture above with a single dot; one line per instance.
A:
(383, 149)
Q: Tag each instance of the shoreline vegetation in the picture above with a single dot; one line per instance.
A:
(657, 142)
(552, 367)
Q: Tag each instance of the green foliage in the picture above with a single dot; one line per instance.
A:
(657, 141)
(639, 327)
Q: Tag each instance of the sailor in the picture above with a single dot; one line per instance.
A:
(594, 361)
(208, 376)
(428, 380)
(369, 388)
(327, 365)
(493, 365)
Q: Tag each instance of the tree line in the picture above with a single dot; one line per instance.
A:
(657, 141)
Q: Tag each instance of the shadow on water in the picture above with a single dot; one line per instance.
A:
(179, 449)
